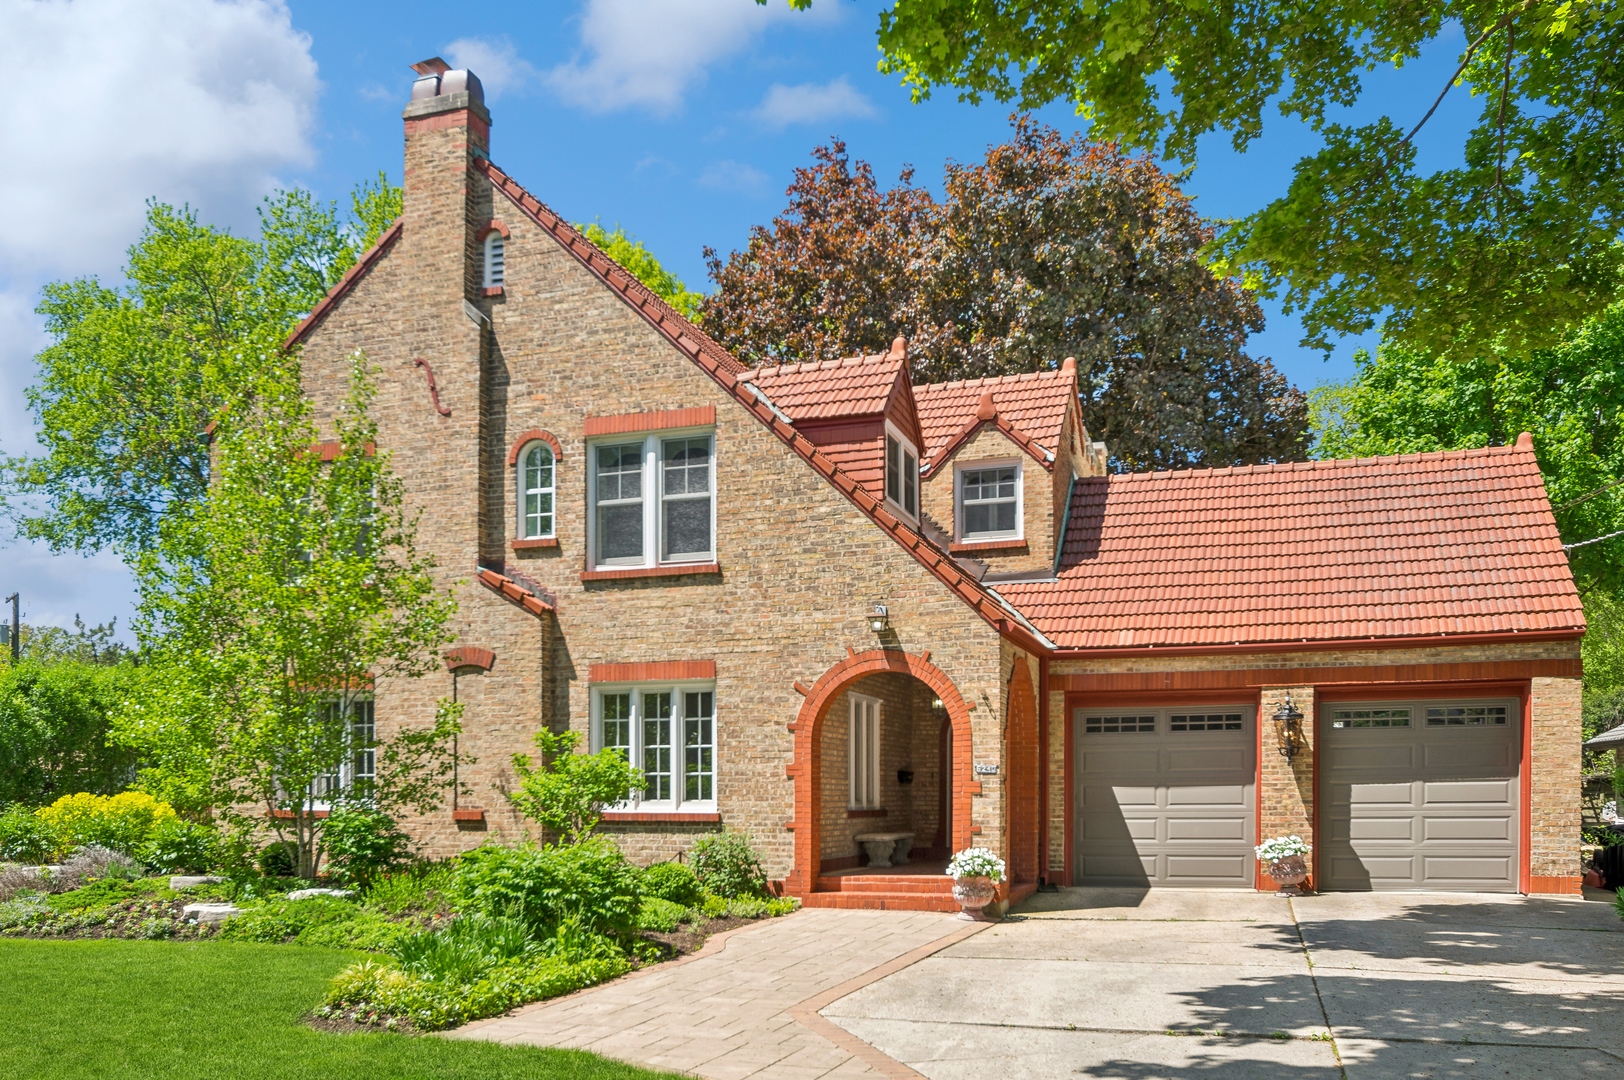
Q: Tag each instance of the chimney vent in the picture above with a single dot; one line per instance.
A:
(436, 78)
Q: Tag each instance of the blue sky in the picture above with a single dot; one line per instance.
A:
(679, 119)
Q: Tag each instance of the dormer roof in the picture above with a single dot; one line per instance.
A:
(1031, 405)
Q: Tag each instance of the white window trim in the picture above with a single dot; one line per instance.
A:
(653, 529)
(679, 775)
(346, 768)
(520, 485)
(495, 275)
(1020, 499)
(893, 432)
(876, 774)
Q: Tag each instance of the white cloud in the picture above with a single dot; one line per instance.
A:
(734, 176)
(812, 103)
(649, 52)
(112, 102)
(497, 63)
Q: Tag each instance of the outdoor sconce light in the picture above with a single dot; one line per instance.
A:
(1288, 728)
(937, 709)
(880, 621)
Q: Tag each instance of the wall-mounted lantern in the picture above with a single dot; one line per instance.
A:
(880, 620)
(1288, 728)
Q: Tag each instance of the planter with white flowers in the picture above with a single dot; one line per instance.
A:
(1287, 860)
(976, 873)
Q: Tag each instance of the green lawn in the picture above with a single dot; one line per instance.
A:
(204, 1010)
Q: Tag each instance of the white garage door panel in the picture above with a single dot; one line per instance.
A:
(1420, 795)
(1166, 796)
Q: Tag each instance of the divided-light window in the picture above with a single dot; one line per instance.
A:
(359, 768)
(669, 732)
(990, 501)
(901, 472)
(653, 501)
(536, 491)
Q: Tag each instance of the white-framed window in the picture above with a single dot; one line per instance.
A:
(653, 500)
(536, 490)
(989, 495)
(667, 731)
(360, 765)
(863, 753)
(1390, 716)
(495, 257)
(901, 472)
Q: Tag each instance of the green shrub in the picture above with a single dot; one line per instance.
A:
(590, 882)
(279, 858)
(674, 882)
(434, 1004)
(464, 950)
(54, 721)
(24, 837)
(422, 888)
(362, 843)
(103, 892)
(119, 823)
(181, 847)
(727, 866)
(277, 921)
(364, 931)
(660, 915)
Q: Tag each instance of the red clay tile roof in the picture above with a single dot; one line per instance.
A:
(826, 389)
(1033, 404)
(725, 370)
(508, 588)
(1418, 546)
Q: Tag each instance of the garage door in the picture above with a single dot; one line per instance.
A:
(1164, 796)
(1420, 795)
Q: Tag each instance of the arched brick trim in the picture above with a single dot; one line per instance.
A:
(1024, 768)
(532, 436)
(493, 225)
(807, 768)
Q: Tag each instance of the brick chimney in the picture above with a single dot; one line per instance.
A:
(447, 129)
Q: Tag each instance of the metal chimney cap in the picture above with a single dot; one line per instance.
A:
(432, 66)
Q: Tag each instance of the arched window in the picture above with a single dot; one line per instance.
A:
(536, 491)
(493, 260)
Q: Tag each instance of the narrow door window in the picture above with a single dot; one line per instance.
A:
(864, 753)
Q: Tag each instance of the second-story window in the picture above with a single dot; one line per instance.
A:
(536, 491)
(494, 258)
(990, 501)
(901, 472)
(654, 501)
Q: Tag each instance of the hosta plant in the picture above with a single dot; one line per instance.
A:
(1281, 847)
(976, 862)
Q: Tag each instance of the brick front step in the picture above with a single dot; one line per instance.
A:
(881, 901)
(899, 884)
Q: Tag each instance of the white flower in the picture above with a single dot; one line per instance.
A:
(1281, 847)
(1609, 813)
(976, 862)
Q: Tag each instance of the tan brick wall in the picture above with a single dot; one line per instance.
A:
(1037, 504)
(801, 566)
(1286, 788)
(908, 739)
(1554, 779)
(1056, 764)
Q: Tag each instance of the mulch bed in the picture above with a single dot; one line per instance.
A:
(690, 937)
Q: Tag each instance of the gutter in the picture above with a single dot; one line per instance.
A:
(1505, 637)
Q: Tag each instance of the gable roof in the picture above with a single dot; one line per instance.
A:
(827, 389)
(1422, 547)
(1030, 407)
(725, 371)
(369, 258)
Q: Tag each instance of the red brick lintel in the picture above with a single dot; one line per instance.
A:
(661, 669)
(636, 817)
(702, 416)
(631, 572)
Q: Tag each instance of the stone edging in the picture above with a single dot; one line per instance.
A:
(806, 1013)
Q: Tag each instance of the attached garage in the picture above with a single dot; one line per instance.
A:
(1165, 796)
(1420, 795)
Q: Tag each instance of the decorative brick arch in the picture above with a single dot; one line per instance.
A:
(807, 768)
(533, 435)
(1023, 768)
(494, 225)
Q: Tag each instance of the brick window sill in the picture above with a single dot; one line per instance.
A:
(633, 572)
(866, 813)
(655, 817)
(468, 813)
(536, 544)
(288, 815)
(962, 547)
(491, 290)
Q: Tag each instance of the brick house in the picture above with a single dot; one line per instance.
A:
(817, 601)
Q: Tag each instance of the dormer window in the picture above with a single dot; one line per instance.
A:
(989, 501)
(901, 473)
(536, 491)
(493, 260)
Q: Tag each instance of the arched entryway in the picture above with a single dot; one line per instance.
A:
(1024, 775)
(839, 686)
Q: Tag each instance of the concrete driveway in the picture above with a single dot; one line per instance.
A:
(1196, 983)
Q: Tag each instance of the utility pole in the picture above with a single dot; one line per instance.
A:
(16, 627)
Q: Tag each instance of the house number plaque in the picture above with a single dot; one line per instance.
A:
(986, 770)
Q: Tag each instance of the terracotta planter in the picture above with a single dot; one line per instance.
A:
(1289, 873)
(972, 894)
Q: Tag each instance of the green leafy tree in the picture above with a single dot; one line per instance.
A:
(629, 252)
(54, 723)
(135, 376)
(269, 613)
(84, 644)
(1516, 244)
(1049, 247)
(568, 791)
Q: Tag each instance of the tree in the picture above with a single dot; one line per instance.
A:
(1517, 244)
(1048, 248)
(269, 614)
(134, 376)
(569, 791)
(55, 718)
(629, 252)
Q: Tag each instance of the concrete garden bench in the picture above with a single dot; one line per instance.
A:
(886, 848)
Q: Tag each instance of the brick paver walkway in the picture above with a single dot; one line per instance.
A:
(745, 1009)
